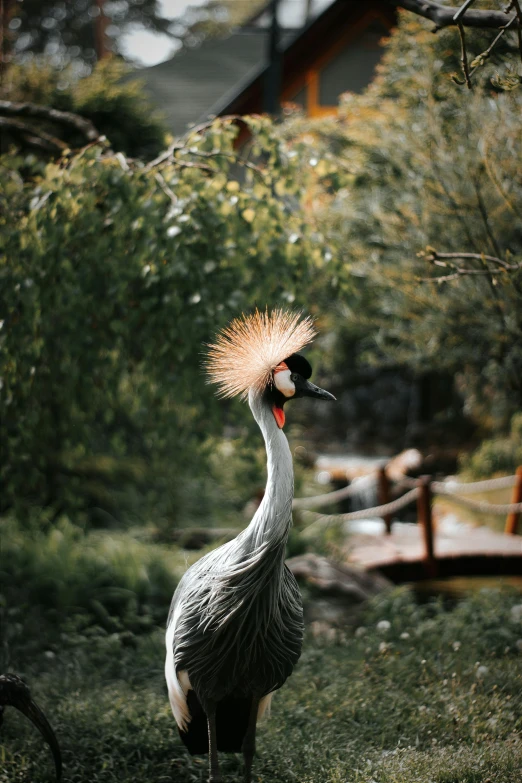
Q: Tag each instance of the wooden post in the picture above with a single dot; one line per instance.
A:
(272, 86)
(425, 519)
(383, 489)
(101, 23)
(513, 518)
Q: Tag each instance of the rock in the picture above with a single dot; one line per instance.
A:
(337, 579)
(338, 591)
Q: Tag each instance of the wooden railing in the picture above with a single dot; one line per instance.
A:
(422, 490)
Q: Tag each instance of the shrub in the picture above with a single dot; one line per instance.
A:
(109, 579)
(113, 276)
(411, 165)
(497, 455)
(116, 104)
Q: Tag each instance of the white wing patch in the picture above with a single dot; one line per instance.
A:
(264, 706)
(178, 683)
(178, 686)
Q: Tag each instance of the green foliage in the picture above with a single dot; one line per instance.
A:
(67, 31)
(215, 18)
(115, 105)
(414, 39)
(497, 455)
(113, 276)
(436, 696)
(415, 163)
(86, 583)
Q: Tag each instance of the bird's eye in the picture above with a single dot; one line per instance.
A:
(294, 377)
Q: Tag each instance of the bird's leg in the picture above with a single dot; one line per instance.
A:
(212, 745)
(249, 742)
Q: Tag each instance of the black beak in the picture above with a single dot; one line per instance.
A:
(36, 716)
(310, 390)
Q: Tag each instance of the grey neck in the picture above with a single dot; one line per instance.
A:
(272, 521)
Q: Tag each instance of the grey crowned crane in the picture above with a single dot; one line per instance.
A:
(235, 626)
(15, 693)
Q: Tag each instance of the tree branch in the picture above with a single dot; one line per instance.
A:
(516, 5)
(464, 55)
(434, 255)
(462, 10)
(12, 109)
(444, 15)
(181, 142)
(33, 136)
(445, 260)
(481, 58)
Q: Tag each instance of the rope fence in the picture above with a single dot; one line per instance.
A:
(376, 511)
(334, 497)
(485, 507)
(450, 485)
(424, 487)
(446, 487)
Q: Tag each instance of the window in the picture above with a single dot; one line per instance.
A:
(352, 69)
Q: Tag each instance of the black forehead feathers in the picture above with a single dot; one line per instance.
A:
(297, 363)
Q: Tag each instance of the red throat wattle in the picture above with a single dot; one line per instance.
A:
(279, 416)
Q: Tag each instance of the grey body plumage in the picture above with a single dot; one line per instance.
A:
(235, 626)
(241, 628)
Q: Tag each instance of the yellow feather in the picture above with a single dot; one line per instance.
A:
(247, 351)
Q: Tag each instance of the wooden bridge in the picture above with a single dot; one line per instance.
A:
(409, 552)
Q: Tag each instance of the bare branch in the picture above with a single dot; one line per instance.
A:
(462, 10)
(231, 156)
(516, 5)
(165, 188)
(435, 255)
(169, 155)
(179, 144)
(480, 59)
(464, 56)
(446, 260)
(163, 156)
(33, 136)
(12, 109)
(453, 276)
(444, 15)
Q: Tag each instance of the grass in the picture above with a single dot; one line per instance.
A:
(116, 579)
(435, 697)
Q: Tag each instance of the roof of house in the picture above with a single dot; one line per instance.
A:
(186, 86)
(302, 48)
(224, 75)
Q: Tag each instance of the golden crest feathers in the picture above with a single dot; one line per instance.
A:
(248, 350)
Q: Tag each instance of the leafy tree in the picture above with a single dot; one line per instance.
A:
(497, 455)
(69, 30)
(409, 166)
(481, 17)
(113, 275)
(115, 105)
(213, 19)
(66, 29)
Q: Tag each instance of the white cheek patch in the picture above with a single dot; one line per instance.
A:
(283, 383)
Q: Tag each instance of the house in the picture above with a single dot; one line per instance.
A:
(335, 51)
